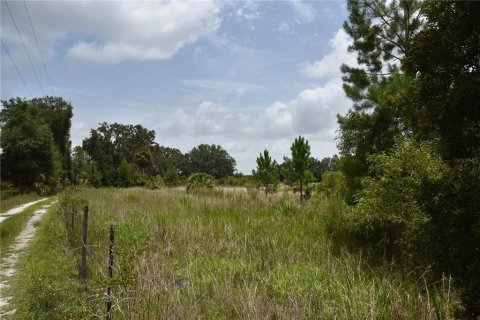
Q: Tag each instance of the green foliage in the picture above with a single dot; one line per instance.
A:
(296, 169)
(443, 105)
(267, 172)
(382, 36)
(110, 144)
(27, 145)
(199, 181)
(444, 101)
(84, 170)
(363, 133)
(171, 177)
(155, 182)
(35, 141)
(237, 181)
(319, 167)
(389, 207)
(165, 158)
(209, 159)
(333, 184)
(126, 176)
(8, 190)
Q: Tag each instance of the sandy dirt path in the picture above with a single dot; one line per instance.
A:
(8, 263)
(11, 212)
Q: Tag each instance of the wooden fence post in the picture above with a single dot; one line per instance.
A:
(73, 216)
(83, 269)
(110, 272)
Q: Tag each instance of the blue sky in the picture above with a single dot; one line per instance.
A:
(246, 75)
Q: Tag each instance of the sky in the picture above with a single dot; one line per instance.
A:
(247, 75)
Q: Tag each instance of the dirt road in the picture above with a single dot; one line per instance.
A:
(12, 254)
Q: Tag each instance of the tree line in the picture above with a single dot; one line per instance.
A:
(37, 155)
(410, 144)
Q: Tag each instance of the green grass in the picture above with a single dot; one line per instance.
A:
(13, 225)
(14, 201)
(213, 256)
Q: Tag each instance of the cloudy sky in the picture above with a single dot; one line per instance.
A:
(246, 75)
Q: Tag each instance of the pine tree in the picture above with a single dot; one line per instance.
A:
(297, 166)
(267, 172)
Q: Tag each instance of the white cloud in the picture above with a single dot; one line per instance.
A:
(329, 65)
(303, 10)
(206, 119)
(249, 11)
(113, 31)
(148, 30)
(312, 111)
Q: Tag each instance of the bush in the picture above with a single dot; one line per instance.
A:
(171, 177)
(200, 181)
(155, 182)
(389, 210)
(332, 184)
(8, 190)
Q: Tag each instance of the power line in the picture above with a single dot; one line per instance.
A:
(38, 46)
(16, 68)
(24, 46)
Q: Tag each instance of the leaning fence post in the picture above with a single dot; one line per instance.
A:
(83, 270)
(110, 272)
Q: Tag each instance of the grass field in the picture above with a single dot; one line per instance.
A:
(213, 255)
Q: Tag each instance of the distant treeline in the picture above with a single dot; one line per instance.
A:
(37, 155)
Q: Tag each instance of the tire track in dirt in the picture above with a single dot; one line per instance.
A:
(8, 263)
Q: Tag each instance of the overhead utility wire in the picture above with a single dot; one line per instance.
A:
(38, 46)
(16, 68)
(24, 47)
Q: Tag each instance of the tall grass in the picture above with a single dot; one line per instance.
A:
(220, 255)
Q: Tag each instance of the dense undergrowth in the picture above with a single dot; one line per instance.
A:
(217, 255)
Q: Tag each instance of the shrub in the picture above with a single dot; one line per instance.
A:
(389, 210)
(155, 182)
(332, 184)
(172, 177)
(200, 181)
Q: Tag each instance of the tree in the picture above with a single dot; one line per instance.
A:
(28, 149)
(210, 159)
(171, 177)
(443, 105)
(267, 172)
(319, 167)
(109, 145)
(126, 174)
(166, 157)
(84, 169)
(297, 166)
(56, 113)
(382, 37)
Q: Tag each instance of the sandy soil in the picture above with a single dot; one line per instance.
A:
(8, 263)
